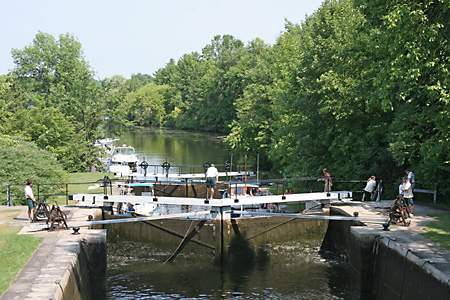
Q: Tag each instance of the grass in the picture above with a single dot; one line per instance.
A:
(439, 231)
(15, 250)
(80, 183)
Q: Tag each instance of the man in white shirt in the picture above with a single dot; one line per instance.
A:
(408, 195)
(212, 176)
(29, 196)
(370, 188)
(411, 178)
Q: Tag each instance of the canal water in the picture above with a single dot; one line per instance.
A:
(277, 270)
(177, 147)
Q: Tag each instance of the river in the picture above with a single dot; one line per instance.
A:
(287, 270)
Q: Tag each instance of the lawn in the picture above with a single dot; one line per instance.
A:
(15, 250)
(439, 230)
(79, 183)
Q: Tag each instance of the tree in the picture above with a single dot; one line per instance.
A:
(53, 73)
(145, 107)
(21, 160)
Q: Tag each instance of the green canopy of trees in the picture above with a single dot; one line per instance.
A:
(21, 160)
(360, 87)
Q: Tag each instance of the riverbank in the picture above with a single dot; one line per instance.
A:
(65, 266)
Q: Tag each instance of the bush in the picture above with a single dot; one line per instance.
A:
(21, 160)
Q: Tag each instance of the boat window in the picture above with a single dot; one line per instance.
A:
(124, 151)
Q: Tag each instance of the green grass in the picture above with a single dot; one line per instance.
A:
(86, 177)
(439, 231)
(15, 251)
(80, 183)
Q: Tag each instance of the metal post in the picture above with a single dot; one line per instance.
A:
(105, 189)
(38, 192)
(221, 236)
(257, 168)
(231, 162)
(435, 194)
(67, 194)
(8, 195)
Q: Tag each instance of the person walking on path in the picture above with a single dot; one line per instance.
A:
(328, 182)
(408, 195)
(212, 176)
(31, 202)
(370, 188)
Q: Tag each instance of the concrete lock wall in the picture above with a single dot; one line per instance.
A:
(85, 278)
(383, 269)
(400, 274)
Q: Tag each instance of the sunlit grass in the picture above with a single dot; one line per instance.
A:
(439, 230)
(15, 251)
(80, 183)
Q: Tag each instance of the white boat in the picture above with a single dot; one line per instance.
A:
(123, 161)
(106, 147)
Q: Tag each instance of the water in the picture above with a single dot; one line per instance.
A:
(283, 270)
(177, 147)
(291, 270)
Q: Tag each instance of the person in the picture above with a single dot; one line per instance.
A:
(328, 182)
(31, 202)
(212, 176)
(411, 178)
(408, 195)
(370, 188)
(400, 189)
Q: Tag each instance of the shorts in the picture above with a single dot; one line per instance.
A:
(409, 201)
(210, 182)
(30, 203)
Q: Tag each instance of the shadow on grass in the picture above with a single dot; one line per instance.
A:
(439, 230)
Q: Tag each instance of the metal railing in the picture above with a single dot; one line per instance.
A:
(61, 191)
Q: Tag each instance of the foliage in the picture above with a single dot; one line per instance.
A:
(145, 107)
(360, 87)
(54, 82)
(21, 160)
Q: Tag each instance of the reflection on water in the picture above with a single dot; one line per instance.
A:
(176, 146)
(292, 270)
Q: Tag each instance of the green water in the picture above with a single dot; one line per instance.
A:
(289, 270)
(177, 147)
